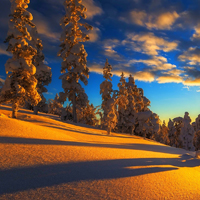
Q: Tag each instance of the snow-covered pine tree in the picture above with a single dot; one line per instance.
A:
(145, 101)
(122, 102)
(147, 122)
(55, 106)
(130, 112)
(196, 140)
(1, 85)
(178, 123)
(139, 99)
(66, 114)
(181, 132)
(73, 53)
(20, 83)
(43, 72)
(138, 113)
(164, 134)
(108, 100)
(187, 133)
(153, 127)
(88, 115)
(171, 133)
(197, 123)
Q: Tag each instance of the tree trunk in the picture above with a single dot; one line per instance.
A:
(14, 109)
(108, 130)
(197, 155)
(132, 130)
(74, 108)
(35, 110)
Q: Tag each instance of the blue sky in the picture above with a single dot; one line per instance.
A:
(157, 41)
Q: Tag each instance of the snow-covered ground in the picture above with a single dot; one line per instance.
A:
(44, 158)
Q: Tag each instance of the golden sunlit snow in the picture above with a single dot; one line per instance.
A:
(44, 158)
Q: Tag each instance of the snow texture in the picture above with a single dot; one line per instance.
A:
(44, 158)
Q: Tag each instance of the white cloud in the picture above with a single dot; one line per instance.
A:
(196, 35)
(109, 51)
(43, 26)
(92, 9)
(118, 69)
(138, 17)
(170, 79)
(1, 82)
(192, 82)
(97, 68)
(144, 76)
(150, 44)
(187, 87)
(94, 34)
(174, 72)
(147, 75)
(162, 21)
(156, 62)
(49, 93)
(3, 51)
(191, 56)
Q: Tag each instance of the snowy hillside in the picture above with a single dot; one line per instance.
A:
(44, 158)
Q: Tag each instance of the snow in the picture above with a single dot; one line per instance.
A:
(44, 158)
(12, 65)
(143, 116)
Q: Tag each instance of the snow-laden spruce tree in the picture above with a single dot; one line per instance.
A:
(196, 140)
(145, 101)
(55, 106)
(147, 124)
(178, 124)
(1, 85)
(108, 99)
(149, 121)
(139, 99)
(164, 134)
(181, 132)
(122, 103)
(73, 53)
(43, 72)
(153, 127)
(187, 133)
(20, 83)
(197, 123)
(130, 112)
(88, 115)
(171, 132)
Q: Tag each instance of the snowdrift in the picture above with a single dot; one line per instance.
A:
(44, 158)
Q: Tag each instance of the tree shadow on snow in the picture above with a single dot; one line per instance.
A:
(15, 180)
(131, 146)
(30, 112)
(55, 125)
